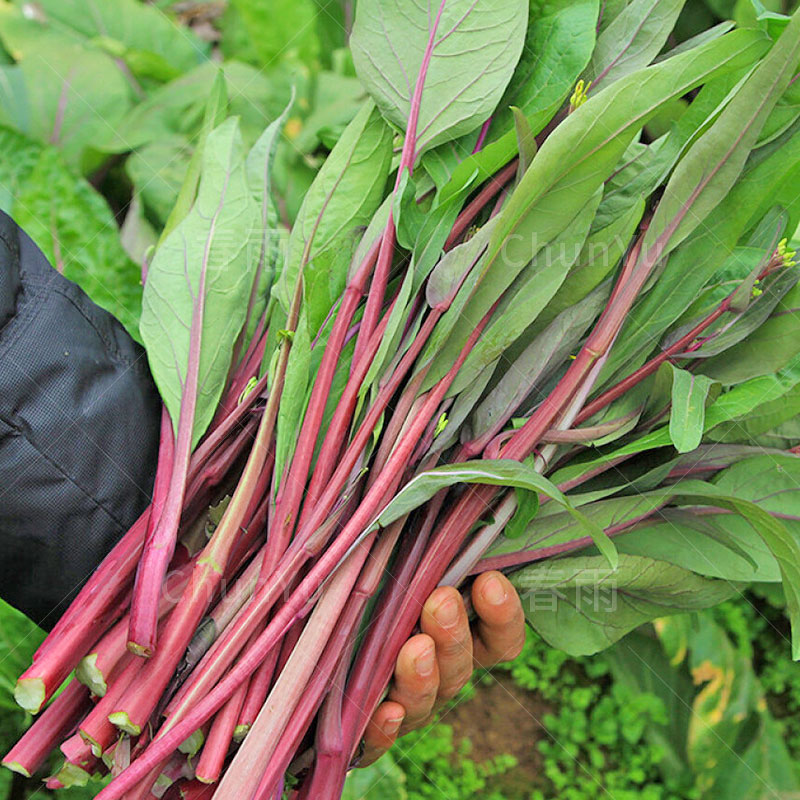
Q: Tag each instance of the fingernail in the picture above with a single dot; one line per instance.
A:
(392, 726)
(423, 663)
(494, 592)
(446, 613)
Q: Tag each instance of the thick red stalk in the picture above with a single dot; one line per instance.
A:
(96, 727)
(331, 757)
(215, 749)
(332, 659)
(102, 599)
(361, 676)
(292, 486)
(94, 669)
(336, 435)
(56, 722)
(243, 777)
(77, 751)
(249, 622)
(165, 520)
(297, 604)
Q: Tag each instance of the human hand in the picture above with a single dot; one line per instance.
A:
(433, 666)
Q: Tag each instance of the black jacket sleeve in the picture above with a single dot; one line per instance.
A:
(79, 422)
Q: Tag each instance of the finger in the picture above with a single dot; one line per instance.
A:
(416, 680)
(500, 630)
(444, 619)
(381, 731)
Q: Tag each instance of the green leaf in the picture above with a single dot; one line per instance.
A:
(259, 167)
(474, 50)
(581, 606)
(689, 394)
(639, 661)
(783, 546)
(536, 363)
(383, 780)
(69, 97)
(135, 28)
(267, 31)
(526, 140)
(527, 508)
(633, 39)
(746, 396)
(706, 173)
(424, 486)
(533, 289)
(715, 545)
(215, 113)
(600, 255)
(553, 526)
(179, 106)
(763, 418)
(576, 158)
(765, 768)
(157, 171)
(199, 281)
(71, 223)
(343, 197)
(558, 45)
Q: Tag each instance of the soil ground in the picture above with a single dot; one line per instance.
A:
(503, 718)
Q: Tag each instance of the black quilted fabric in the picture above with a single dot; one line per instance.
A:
(79, 421)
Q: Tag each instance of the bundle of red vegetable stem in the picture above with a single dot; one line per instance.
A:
(249, 647)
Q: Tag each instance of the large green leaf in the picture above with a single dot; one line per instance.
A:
(558, 45)
(199, 281)
(783, 546)
(763, 418)
(71, 223)
(157, 171)
(765, 769)
(178, 107)
(633, 39)
(142, 37)
(69, 96)
(581, 606)
(470, 50)
(639, 662)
